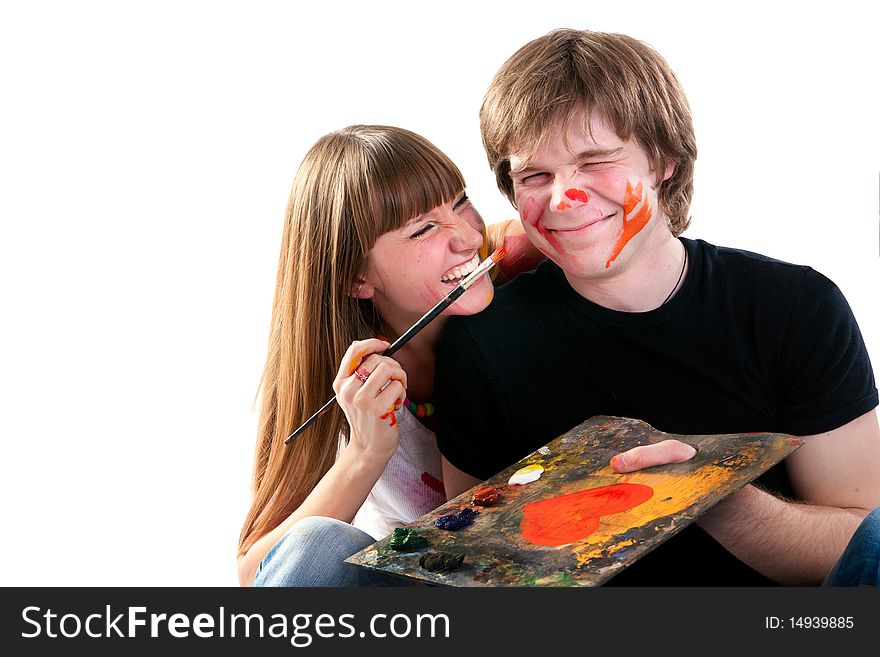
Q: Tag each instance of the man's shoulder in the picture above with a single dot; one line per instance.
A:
(744, 258)
(753, 280)
(741, 265)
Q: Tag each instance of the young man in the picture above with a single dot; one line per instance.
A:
(590, 137)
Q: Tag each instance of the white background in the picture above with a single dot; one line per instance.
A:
(146, 152)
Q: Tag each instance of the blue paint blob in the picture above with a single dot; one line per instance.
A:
(455, 521)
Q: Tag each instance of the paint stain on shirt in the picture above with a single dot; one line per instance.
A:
(432, 482)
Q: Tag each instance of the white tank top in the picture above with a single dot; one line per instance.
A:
(410, 486)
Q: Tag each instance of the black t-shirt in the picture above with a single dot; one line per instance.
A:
(747, 344)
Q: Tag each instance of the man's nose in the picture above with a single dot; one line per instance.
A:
(567, 195)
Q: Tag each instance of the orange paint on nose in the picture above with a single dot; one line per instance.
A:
(631, 224)
(570, 518)
(577, 195)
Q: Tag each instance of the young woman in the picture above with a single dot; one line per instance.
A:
(378, 230)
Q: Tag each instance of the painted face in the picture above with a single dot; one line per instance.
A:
(409, 270)
(587, 199)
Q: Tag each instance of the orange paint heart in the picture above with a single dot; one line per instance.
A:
(569, 518)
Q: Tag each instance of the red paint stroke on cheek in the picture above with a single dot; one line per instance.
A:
(570, 518)
(551, 240)
(633, 224)
(432, 482)
(577, 195)
(529, 212)
(562, 205)
(531, 215)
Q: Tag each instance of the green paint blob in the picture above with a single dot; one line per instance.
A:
(406, 540)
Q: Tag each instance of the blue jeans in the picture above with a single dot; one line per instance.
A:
(313, 553)
(859, 565)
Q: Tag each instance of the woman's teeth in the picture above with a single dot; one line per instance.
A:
(453, 275)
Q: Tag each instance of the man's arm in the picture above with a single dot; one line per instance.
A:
(837, 475)
(521, 253)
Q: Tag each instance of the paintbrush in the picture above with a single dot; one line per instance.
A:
(426, 319)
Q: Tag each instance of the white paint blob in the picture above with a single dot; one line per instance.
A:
(526, 475)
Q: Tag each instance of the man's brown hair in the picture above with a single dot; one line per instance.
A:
(555, 77)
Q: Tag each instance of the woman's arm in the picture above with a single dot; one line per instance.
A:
(339, 494)
(369, 407)
(521, 253)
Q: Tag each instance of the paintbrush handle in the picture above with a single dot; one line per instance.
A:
(445, 302)
(426, 319)
(315, 416)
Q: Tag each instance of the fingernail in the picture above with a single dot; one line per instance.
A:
(618, 462)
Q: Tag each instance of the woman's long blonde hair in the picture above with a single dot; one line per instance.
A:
(352, 186)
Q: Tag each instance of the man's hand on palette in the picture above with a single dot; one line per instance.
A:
(646, 456)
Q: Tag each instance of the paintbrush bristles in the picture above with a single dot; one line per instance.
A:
(483, 267)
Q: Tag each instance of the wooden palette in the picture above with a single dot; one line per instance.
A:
(581, 523)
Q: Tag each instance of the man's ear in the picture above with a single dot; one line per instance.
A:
(361, 289)
(669, 171)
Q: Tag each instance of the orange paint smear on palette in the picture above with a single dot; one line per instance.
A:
(572, 517)
(562, 205)
(672, 494)
(631, 224)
